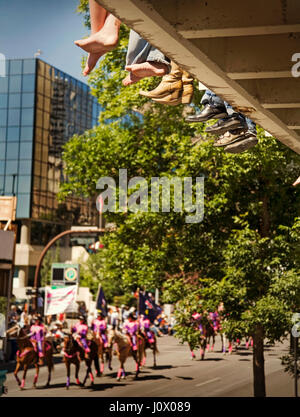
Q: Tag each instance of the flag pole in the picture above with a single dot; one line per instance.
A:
(98, 292)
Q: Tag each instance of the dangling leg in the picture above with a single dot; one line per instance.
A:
(104, 37)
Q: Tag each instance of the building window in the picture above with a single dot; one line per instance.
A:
(28, 83)
(3, 101)
(27, 117)
(27, 100)
(3, 117)
(14, 117)
(14, 100)
(29, 66)
(13, 134)
(26, 150)
(15, 84)
(3, 84)
(15, 67)
(12, 151)
(2, 134)
(26, 133)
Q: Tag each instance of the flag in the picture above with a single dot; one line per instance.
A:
(60, 300)
(101, 303)
(147, 306)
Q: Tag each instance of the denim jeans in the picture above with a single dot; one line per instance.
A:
(211, 98)
(140, 51)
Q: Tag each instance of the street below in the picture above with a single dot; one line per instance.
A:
(176, 375)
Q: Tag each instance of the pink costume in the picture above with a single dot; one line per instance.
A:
(131, 329)
(197, 318)
(99, 327)
(37, 332)
(214, 317)
(145, 326)
(81, 330)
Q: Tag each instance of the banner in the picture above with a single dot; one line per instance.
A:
(60, 300)
(147, 306)
(101, 303)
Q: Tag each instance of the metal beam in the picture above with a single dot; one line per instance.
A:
(205, 64)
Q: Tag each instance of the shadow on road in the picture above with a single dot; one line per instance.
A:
(162, 367)
(184, 377)
(151, 377)
(103, 387)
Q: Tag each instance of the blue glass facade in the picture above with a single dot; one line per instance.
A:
(40, 109)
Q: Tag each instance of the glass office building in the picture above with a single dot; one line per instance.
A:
(41, 107)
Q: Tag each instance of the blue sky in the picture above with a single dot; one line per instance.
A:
(49, 25)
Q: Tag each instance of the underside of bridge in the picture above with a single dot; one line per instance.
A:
(241, 50)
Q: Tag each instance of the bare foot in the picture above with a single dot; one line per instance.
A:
(104, 40)
(148, 69)
(91, 63)
(130, 79)
(297, 182)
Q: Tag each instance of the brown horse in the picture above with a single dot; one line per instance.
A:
(71, 356)
(151, 346)
(27, 355)
(124, 350)
(102, 351)
(89, 358)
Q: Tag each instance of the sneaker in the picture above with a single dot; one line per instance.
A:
(242, 145)
(209, 112)
(223, 126)
(229, 137)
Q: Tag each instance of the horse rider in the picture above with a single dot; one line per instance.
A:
(215, 320)
(131, 328)
(37, 336)
(99, 328)
(79, 332)
(197, 319)
(145, 328)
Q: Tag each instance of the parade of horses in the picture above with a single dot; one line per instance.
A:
(93, 347)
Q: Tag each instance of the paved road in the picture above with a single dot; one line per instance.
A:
(175, 376)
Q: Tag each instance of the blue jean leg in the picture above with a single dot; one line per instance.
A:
(211, 98)
(139, 51)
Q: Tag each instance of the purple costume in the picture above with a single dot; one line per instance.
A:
(37, 332)
(99, 327)
(81, 330)
(197, 318)
(145, 325)
(131, 329)
(214, 317)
